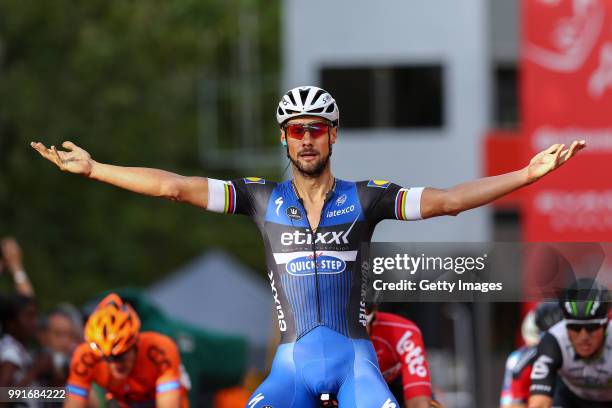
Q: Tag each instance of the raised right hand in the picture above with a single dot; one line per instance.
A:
(11, 253)
(73, 160)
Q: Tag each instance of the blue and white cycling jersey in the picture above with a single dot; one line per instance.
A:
(316, 277)
(318, 286)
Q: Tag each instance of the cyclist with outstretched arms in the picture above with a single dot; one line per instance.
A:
(313, 226)
(573, 364)
(135, 369)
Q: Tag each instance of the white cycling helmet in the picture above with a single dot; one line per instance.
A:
(307, 101)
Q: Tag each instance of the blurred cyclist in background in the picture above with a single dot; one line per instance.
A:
(515, 388)
(573, 364)
(313, 228)
(400, 350)
(135, 368)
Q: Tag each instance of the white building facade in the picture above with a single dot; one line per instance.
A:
(450, 37)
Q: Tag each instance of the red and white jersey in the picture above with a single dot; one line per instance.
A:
(400, 349)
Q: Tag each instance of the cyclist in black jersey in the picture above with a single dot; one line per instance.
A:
(313, 226)
(573, 363)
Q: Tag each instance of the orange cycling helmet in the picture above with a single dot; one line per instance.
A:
(112, 328)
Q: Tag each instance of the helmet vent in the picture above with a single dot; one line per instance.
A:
(280, 111)
(319, 93)
(290, 95)
(330, 108)
(318, 110)
(303, 95)
(289, 111)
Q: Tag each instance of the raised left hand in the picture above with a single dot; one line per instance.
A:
(552, 158)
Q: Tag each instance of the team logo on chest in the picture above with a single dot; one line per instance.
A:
(310, 264)
(342, 200)
(342, 211)
(294, 213)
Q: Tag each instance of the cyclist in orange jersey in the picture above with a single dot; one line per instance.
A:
(136, 369)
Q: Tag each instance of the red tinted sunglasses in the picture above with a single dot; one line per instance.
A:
(298, 130)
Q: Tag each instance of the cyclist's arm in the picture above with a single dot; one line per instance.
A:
(151, 182)
(80, 377)
(540, 401)
(154, 182)
(75, 403)
(173, 382)
(465, 196)
(547, 362)
(517, 379)
(415, 203)
(419, 402)
(514, 399)
(95, 400)
(168, 400)
(437, 202)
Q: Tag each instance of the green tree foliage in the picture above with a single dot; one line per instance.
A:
(120, 79)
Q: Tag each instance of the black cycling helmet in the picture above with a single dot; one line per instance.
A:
(547, 314)
(585, 301)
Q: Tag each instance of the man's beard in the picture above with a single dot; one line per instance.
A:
(318, 169)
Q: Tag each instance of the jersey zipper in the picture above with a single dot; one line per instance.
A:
(313, 241)
(313, 238)
(314, 253)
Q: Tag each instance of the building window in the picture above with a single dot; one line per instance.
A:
(388, 97)
(506, 97)
(353, 90)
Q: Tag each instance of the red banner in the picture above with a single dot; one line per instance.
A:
(566, 88)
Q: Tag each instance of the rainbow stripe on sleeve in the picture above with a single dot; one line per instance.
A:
(400, 204)
(230, 198)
